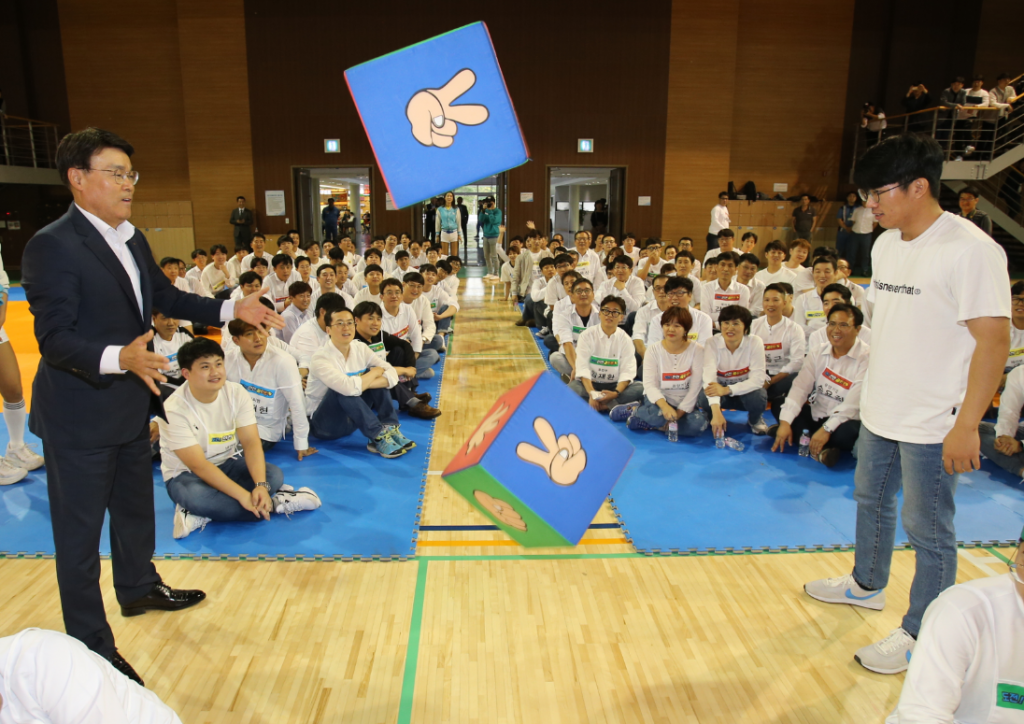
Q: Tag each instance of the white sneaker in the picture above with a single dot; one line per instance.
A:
(287, 502)
(845, 590)
(185, 522)
(24, 457)
(891, 655)
(760, 427)
(11, 473)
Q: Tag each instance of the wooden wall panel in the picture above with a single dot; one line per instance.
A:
(215, 84)
(580, 72)
(124, 74)
(701, 88)
(791, 70)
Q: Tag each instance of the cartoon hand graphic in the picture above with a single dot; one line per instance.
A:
(563, 458)
(435, 120)
(485, 427)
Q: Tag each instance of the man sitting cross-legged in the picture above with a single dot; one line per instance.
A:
(1001, 443)
(210, 424)
(400, 320)
(784, 346)
(398, 353)
(272, 380)
(825, 397)
(568, 324)
(348, 391)
(605, 363)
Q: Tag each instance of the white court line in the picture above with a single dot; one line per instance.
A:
(988, 563)
(434, 472)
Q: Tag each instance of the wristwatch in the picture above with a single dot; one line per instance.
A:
(263, 485)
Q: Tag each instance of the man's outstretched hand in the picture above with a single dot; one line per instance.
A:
(250, 310)
(137, 359)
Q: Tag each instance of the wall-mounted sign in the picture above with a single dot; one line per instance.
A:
(782, 188)
(585, 145)
(275, 203)
(332, 145)
(526, 196)
(644, 201)
(13, 225)
(388, 203)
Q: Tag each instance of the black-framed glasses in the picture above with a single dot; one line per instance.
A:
(119, 176)
(584, 290)
(873, 195)
(611, 312)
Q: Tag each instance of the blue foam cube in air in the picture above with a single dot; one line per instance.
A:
(541, 463)
(438, 114)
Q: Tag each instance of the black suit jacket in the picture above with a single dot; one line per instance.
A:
(242, 231)
(83, 301)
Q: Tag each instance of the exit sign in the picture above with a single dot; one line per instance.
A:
(585, 145)
(332, 145)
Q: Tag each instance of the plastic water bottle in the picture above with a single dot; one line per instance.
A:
(720, 440)
(734, 444)
(673, 431)
(805, 444)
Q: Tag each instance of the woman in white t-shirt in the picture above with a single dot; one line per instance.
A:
(673, 370)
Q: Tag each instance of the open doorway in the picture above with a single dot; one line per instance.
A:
(472, 196)
(585, 198)
(350, 189)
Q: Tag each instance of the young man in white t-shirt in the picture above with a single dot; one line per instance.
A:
(212, 458)
(774, 254)
(724, 290)
(726, 242)
(168, 339)
(940, 300)
(399, 319)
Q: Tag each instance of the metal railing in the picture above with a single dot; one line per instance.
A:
(28, 142)
(1003, 191)
(976, 133)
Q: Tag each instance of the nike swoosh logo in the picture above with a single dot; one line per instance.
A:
(849, 594)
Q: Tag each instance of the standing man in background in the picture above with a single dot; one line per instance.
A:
(938, 283)
(92, 286)
(241, 219)
(719, 219)
(329, 217)
(465, 225)
(489, 221)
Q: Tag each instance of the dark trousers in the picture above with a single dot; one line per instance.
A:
(712, 241)
(82, 486)
(844, 437)
(403, 392)
(777, 394)
(340, 415)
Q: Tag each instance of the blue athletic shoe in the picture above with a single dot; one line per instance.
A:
(385, 445)
(621, 413)
(635, 424)
(401, 439)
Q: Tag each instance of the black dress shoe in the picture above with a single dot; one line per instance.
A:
(118, 662)
(162, 598)
(423, 396)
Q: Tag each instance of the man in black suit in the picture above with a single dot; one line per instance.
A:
(92, 285)
(241, 219)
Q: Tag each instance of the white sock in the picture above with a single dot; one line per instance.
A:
(15, 416)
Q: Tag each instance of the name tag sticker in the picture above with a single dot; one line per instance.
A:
(1009, 696)
(814, 314)
(357, 373)
(255, 389)
(222, 438)
(1013, 352)
(836, 379)
(377, 347)
(773, 347)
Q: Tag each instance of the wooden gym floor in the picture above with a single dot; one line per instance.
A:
(477, 630)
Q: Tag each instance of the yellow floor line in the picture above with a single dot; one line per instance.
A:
(492, 543)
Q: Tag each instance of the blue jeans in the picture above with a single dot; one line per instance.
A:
(753, 402)
(691, 424)
(196, 496)
(341, 415)
(1013, 464)
(427, 359)
(445, 323)
(883, 466)
(843, 239)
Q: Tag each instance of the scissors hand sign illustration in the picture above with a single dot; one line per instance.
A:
(434, 119)
(562, 458)
(485, 427)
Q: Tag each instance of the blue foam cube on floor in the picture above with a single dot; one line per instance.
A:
(398, 94)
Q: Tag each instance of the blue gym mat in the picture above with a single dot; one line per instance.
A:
(371, 506)
(692, 496)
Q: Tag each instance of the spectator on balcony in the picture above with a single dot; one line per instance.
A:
(805, 219)
(999, 97)
(953, 99)
(719, 219)
(917, 99)
(873, 123)
(969, 209)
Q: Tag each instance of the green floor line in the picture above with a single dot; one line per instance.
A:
(996, 553)
(412, 652)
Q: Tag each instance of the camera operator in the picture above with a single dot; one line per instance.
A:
(490, 221)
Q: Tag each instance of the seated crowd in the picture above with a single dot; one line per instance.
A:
(360, 331)
(662, 341)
